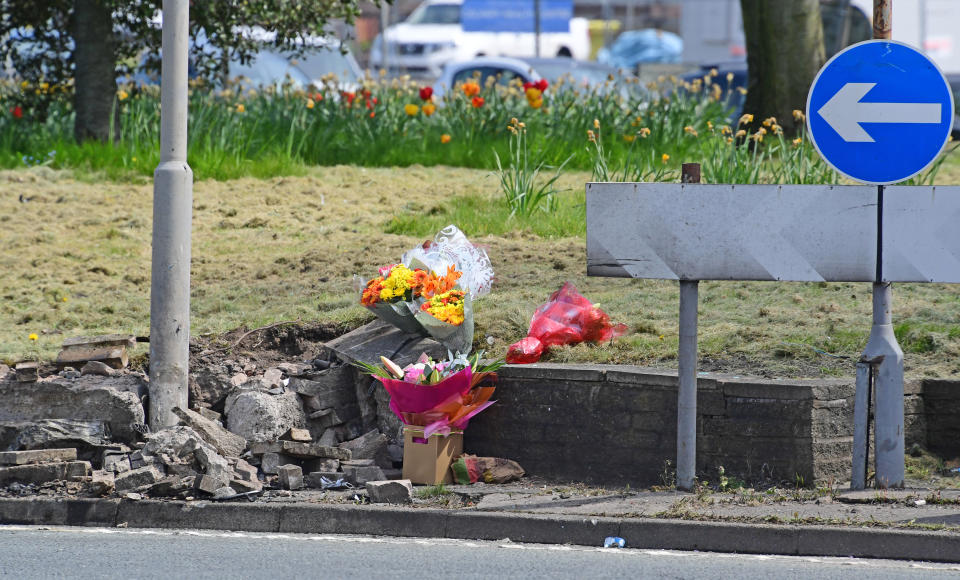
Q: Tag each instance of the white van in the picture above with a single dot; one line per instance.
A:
(432, 35)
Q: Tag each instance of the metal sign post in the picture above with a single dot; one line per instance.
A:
(687, 367)
(172, 211)
(880, 112)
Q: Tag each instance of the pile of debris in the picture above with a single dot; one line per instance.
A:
(298, 424)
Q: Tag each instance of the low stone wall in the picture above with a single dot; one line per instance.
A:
(941, 410)
(617, 425)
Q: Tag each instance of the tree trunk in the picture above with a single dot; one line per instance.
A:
(94, 73)
(784, 52)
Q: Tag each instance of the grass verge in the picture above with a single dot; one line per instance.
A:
(76, 261)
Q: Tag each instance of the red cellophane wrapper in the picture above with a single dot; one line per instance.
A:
(566, 318)
(449, 404)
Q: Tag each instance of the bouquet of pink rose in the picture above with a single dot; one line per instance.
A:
(438, 396)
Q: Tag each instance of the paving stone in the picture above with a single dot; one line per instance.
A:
(117, 463)
(225, 491)
(273, 377)
(329, 438)
(246, 471)
(259, 416)
(271, 461)
(171, 486)
(136, 478)
(211, 463)
(291, 476)
(113, 356)
(296, 434)
(367, 446)
(95, 367)
(298, 449)
(101, 483)
(43, 472)
(28, 372)
(296, 369)
(241, 486)
(113, 400)
(207, 483)
(37, 456)
(225, 442)
(398, 491)
(311, 465)
(360, 475)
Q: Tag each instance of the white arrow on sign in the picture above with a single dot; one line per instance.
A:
(844, 112)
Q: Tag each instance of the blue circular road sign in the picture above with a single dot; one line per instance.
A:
(879, 112)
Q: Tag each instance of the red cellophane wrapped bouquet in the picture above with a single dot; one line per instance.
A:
(566, 318)
(438, 396)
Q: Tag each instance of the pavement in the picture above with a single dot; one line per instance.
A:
(912, 524)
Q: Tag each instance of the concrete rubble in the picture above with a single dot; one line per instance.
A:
(399, 491)
(247, 430)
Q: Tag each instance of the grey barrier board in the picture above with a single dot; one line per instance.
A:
(804, 233)
(921, 234)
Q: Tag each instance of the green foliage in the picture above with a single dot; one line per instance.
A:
(41, 56)
(525, 190)
(433, 491)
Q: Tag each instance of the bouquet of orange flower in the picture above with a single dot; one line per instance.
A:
(390, 294)
(448, 318)
(431, 290)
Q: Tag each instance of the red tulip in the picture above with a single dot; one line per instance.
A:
(426, 93)
(17, 112)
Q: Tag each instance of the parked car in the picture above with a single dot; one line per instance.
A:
(272, 67)
(574, 72)
(434, 35)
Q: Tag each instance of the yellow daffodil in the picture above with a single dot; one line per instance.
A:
(310, 103)
(745, 119)
(664, 158)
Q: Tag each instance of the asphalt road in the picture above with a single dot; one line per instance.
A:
(40, 552)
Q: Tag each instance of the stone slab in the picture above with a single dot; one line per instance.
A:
(371, 341)
(37, 456)
(226, 443)
(44, 472)
(300, 449)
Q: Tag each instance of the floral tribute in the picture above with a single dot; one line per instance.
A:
(438, 396)
(565, 318)
(431, 291)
